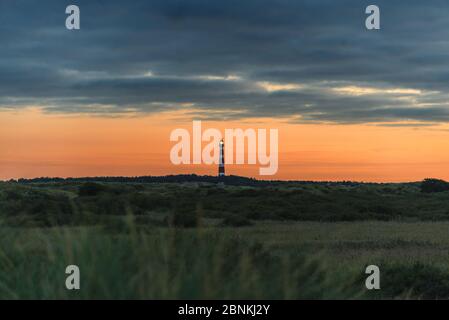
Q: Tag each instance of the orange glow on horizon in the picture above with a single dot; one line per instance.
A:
(35, 144)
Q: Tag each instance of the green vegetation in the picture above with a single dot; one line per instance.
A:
(161, 264)
(201, 240)
(77, 203)
(434, 185)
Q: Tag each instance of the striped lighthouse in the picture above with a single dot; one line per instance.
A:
(221, 165)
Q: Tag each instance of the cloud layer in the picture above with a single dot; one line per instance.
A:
(304, 60)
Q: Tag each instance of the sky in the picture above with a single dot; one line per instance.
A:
(349, 103)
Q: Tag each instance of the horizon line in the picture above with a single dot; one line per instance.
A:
(208, 176)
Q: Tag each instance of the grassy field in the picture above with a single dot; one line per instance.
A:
(358, 242)
(168, 241)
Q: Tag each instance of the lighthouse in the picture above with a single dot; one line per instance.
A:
(221, 165)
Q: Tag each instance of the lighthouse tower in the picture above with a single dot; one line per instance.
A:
(221, 165)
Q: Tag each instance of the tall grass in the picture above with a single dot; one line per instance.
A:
(158, 264)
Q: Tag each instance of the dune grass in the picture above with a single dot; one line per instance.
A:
(158, 264)
(277, 261)
(186, 242)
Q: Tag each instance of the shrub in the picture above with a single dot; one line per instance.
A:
(90, 189)
(236, 221)
(434, 185)
(108, 204)
(184, 220)
(185, 214)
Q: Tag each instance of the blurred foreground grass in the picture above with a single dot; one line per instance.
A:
(158, 264)
(264, 261)
(193, 241)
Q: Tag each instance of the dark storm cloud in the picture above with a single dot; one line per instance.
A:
(310, 61)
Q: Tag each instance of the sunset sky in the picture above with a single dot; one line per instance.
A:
(349, 104)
